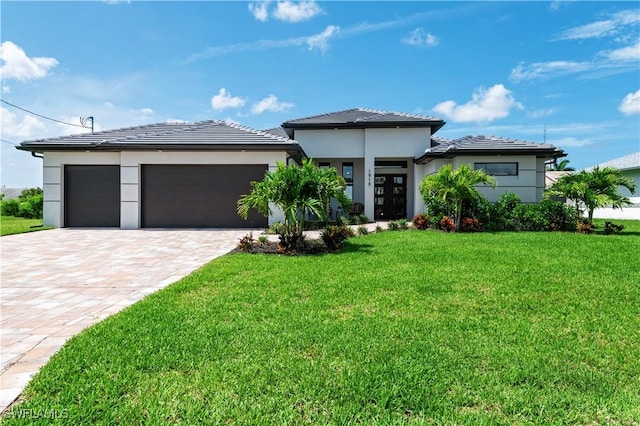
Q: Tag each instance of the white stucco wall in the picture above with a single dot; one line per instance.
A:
(364, 147)
(528, 184)
(130, 172)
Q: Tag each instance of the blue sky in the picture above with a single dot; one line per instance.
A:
(510, 69)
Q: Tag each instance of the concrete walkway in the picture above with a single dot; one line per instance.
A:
(55, 283)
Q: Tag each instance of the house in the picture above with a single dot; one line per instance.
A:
(192, 174)
(629, 165)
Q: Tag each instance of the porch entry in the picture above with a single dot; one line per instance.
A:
(390, 196)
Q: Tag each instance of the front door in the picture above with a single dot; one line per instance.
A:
(390, 196)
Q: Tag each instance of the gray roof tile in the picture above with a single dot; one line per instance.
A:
(628, 162)
(441, 147)
(361, 117)
(212, 134)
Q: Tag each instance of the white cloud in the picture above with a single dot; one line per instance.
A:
(418, 37)
(630, 105)
(569, 141)
(285, 10)
(145, 112)
(109, 105)
(321, 41)
(541, 70)
(484, 106)
(628, 53)
(6, 89)
(613, 25)
(17, 65)
(270, 103)
(14, 127)
(296, 12)
(224, 100)
(259, 10)
(540, 113)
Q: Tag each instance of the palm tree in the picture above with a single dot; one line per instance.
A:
(454, 187)
(296, 191)
(561, 166)
(594, 188)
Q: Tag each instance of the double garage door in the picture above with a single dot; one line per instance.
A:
(172, 196)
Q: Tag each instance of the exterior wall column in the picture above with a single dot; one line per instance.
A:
(52, 189)
(369, 178)
(130, 172)
(419, 172)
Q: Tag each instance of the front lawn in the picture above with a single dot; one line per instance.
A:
(402, 327)
(10, 225)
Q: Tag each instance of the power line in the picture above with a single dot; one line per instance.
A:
(6, 141)
(42, 116)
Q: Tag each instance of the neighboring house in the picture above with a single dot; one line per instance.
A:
(11, 193)
(191, 175)
(630, 167)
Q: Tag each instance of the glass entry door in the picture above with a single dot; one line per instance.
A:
(390, 196)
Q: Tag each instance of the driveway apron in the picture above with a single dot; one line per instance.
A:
(55, 283)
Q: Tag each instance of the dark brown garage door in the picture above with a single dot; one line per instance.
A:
(198, 196)
(92, 196)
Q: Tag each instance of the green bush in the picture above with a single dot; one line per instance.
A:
(510, 214)
(501, 213)
(28, 205)
(362, 230)
(10, 207)
(612, 228)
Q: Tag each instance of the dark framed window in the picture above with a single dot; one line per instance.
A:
(324, 165)
(347, 174)
(498, 169)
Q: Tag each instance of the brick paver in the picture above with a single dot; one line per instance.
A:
(55, 283)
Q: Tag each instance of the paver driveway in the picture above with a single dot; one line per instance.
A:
(57, 282)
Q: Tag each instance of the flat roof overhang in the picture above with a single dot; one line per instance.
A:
(540, 153)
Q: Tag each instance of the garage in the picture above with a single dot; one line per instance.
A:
(198, 196)
(92, 196)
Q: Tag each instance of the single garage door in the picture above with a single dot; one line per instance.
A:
(92, 196)
(198, 196)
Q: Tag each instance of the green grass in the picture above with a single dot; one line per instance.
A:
(407, 327)
(10, 225)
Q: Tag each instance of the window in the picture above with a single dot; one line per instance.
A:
(498, 169)
(323, 165)
(347, 174)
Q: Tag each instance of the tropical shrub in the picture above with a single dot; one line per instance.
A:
(598, 187)
(297, 191)
(403, 224)
(612, 228)
(379, 228)
(246, 243)
(263, 239)
(334, 236)
(362, 230)
(447, 224)
(421, 221)
(471, 225)
(454, 187)
(392, 225)
(585, 227)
